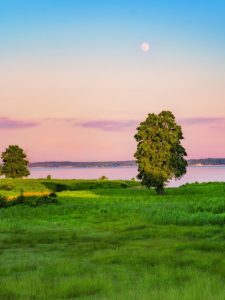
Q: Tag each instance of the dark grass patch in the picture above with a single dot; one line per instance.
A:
(32, 201)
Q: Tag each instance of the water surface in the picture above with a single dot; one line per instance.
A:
(200, 174)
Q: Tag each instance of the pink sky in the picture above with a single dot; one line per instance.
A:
(64, 114)
(75, 84)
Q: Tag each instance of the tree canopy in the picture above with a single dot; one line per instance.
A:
(160, 155)
(14, 161)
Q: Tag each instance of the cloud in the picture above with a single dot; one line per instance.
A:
(7, 123)
(201, 121)
(117, 125)
(107, 125)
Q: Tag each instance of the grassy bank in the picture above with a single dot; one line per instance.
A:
(13, 187)
(105, 240)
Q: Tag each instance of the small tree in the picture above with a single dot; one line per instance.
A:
(14, 161)
(103, 178)
(159, 155)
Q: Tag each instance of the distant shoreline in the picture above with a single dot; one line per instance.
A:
(208, 162)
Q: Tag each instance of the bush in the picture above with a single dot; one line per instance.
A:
(53, 195)
(49, 177)
(124, 185)
(103, 178)
(45, 200)
(58, 187)
(3, 202)
(6, 187)
(21, 199)
(32, 201)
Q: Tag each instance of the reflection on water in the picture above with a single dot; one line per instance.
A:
(200, 174)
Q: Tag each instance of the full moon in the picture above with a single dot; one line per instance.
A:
(145, 47)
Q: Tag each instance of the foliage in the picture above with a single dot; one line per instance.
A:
(49, 177)
(3, 202)
(43, 200)
(1, 172)
(6, 187)
(28, 200)
(103, 178)
(159, 155)
(124, 185)
(52, 194)
(116, 244)
(15, 164)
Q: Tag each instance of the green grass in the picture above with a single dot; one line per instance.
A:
(114, 243)
(13, 187)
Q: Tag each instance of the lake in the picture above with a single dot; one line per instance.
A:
(200, 174)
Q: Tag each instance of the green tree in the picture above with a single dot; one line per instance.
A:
(159, 155)
(103, 178)
(14, 161)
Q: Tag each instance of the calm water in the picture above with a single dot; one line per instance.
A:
(200, 174)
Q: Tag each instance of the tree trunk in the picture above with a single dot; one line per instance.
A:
(160, 190)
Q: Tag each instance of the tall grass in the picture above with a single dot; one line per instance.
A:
(121, 243)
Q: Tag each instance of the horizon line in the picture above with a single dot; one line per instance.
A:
(106, 161)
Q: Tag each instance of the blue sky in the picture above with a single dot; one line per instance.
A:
(183, 25)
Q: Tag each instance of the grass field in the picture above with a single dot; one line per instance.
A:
(105, 240)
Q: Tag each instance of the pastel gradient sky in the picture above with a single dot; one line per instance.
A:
(74, 82)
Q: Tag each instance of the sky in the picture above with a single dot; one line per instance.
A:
(75, 83)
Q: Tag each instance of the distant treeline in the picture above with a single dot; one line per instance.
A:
(114, 164)
(207, 161)
(70, 164)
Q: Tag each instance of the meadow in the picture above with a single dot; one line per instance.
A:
(113, 240)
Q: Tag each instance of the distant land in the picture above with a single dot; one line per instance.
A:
(115, 164)
(72, 164)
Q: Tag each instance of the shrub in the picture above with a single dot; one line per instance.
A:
(21, 199)
(58, 187)
(32, 201)
(49, 177)
(124, 185)
(6, 187)
(103, 178)
(53, 195)
(45, 200)
(3, 202)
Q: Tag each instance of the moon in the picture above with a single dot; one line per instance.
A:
(145, 47)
